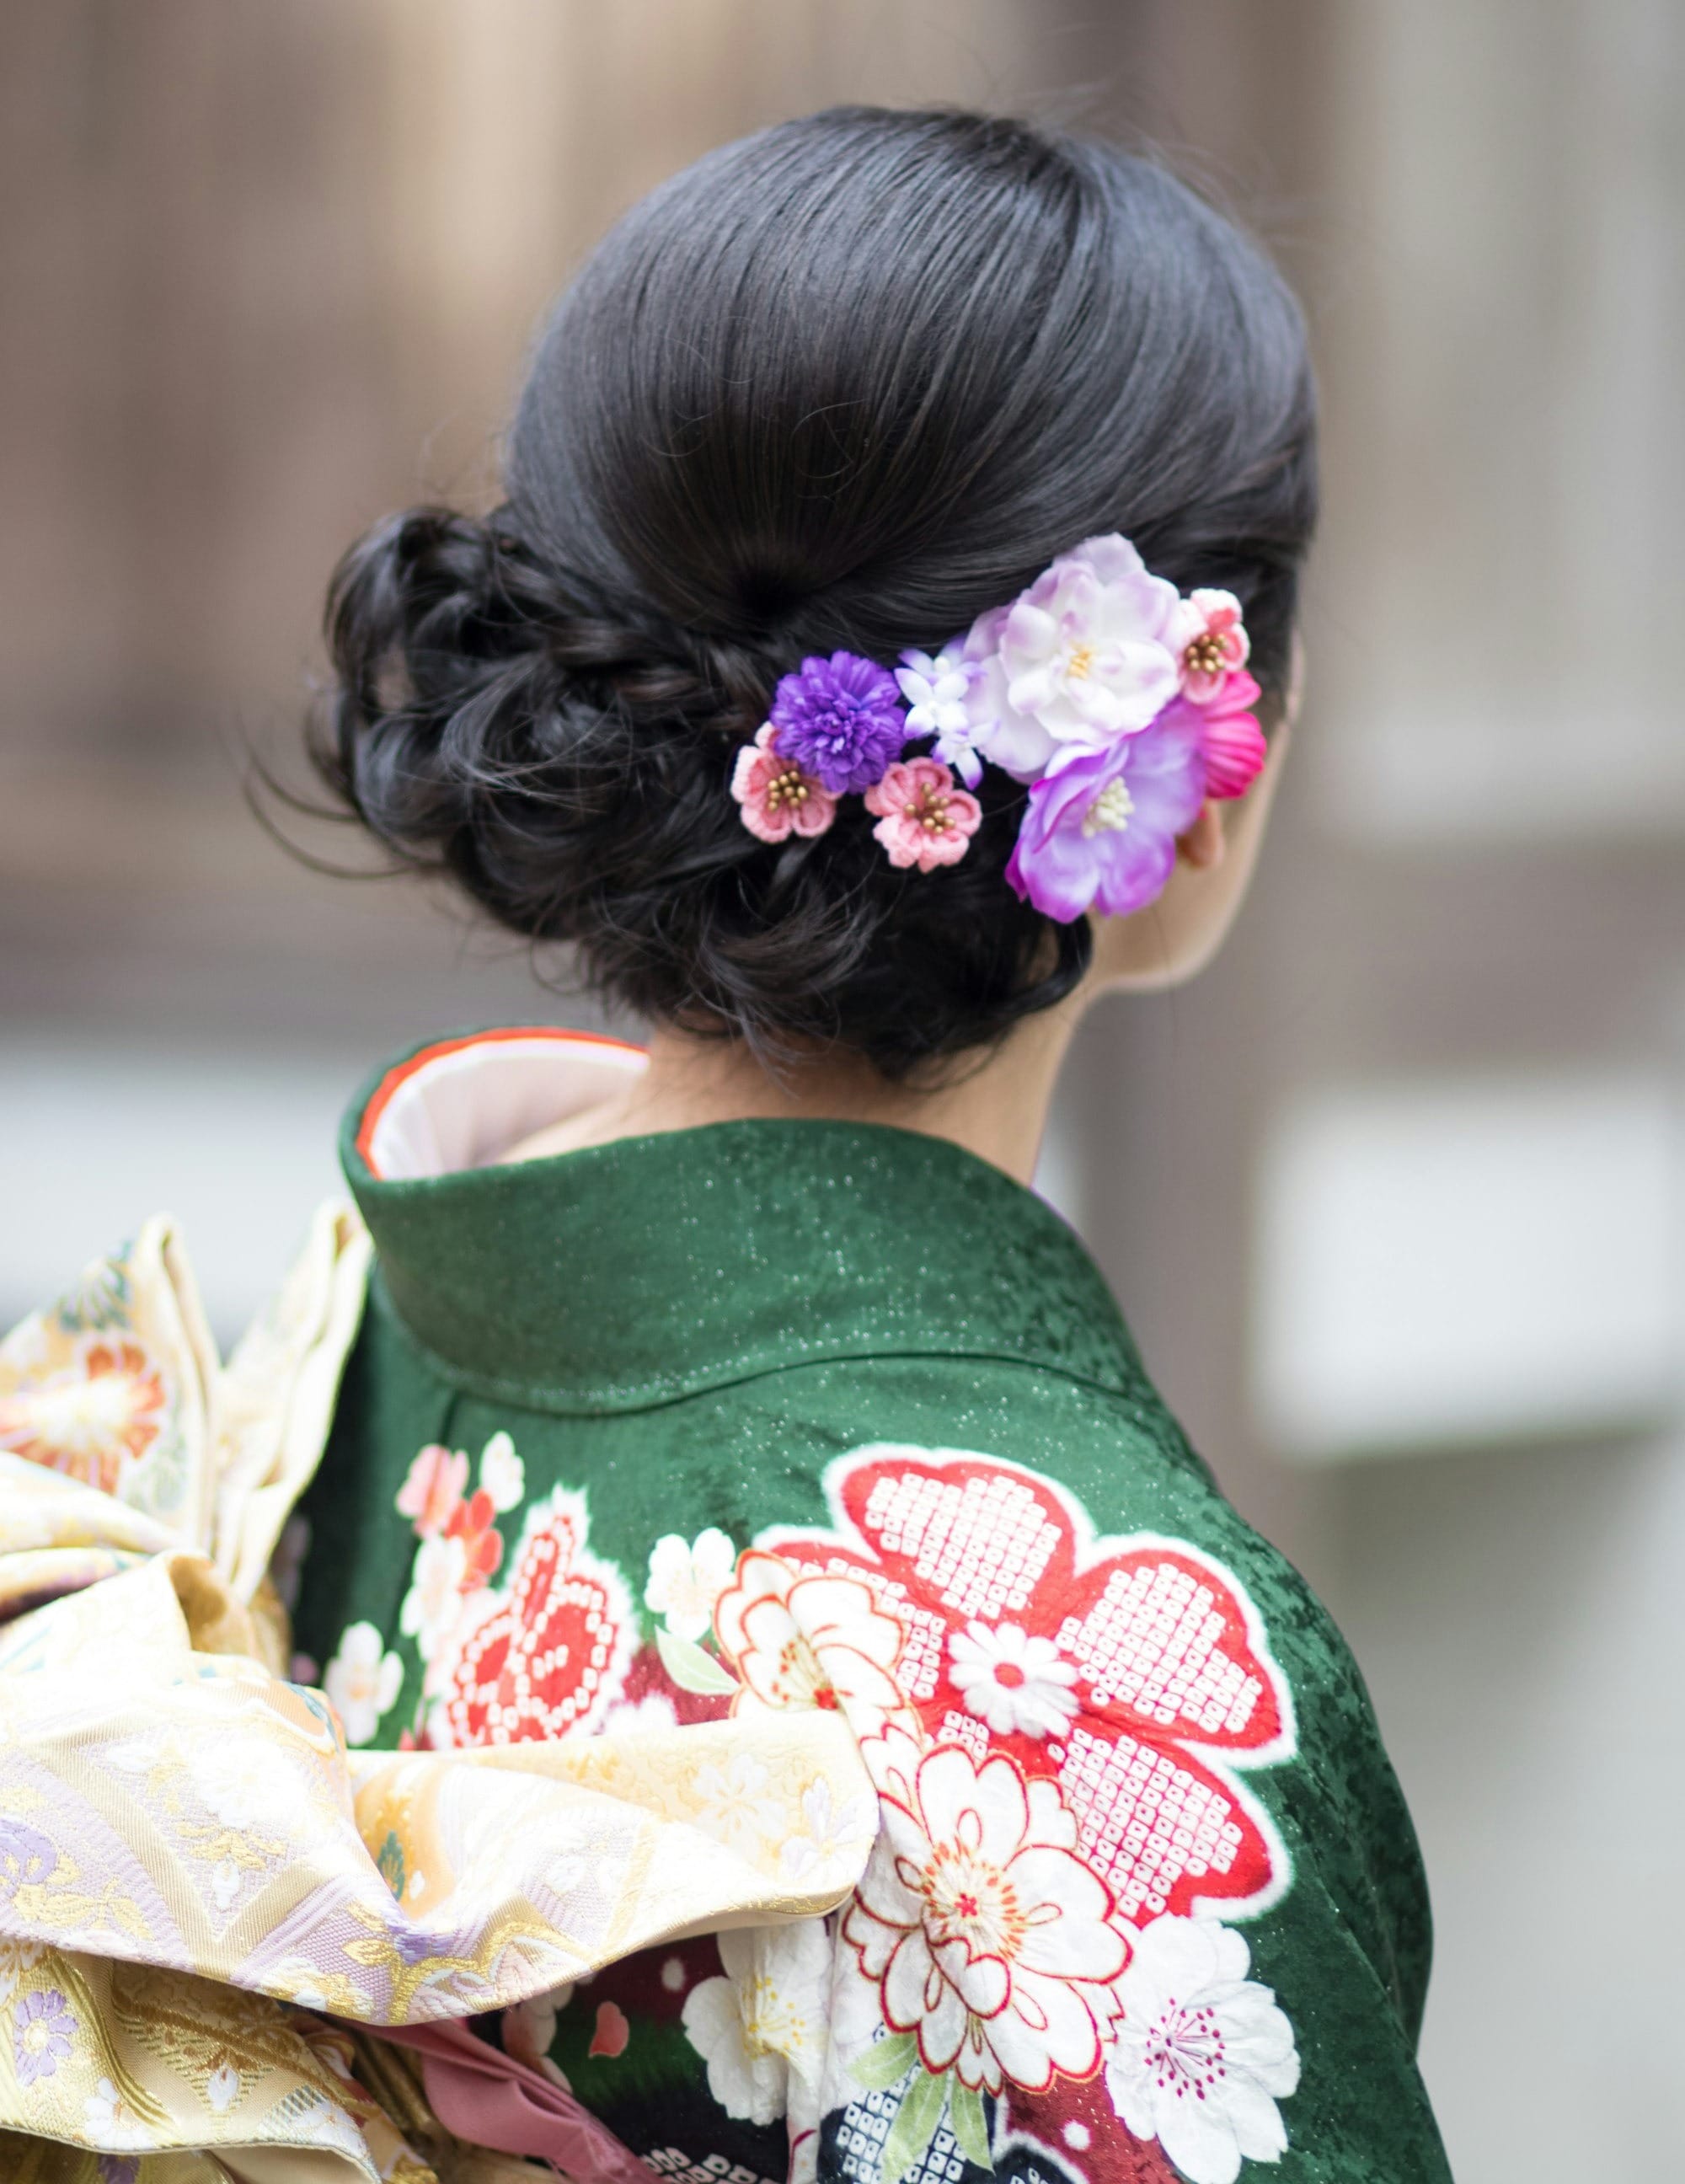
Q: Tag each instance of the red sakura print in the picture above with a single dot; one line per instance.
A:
(550, 1654)
(1133, 1671)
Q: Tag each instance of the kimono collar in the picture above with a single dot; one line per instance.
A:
(628, 1274)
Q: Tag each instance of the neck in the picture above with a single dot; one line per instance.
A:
(997, 1110)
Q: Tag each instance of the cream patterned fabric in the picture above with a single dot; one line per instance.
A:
(195, 1874)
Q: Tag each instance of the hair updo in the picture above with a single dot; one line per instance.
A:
(847, 384)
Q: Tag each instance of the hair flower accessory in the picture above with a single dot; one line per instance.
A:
(840, 720)
(922, 818)
(778, 799)
(1086, 650)
(937, 692)
(1120, 706)
(1210, 644)
(1101, 828)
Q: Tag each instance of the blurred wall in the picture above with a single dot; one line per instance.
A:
(270, 269)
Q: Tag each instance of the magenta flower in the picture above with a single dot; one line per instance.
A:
(840, 720)
(923, 819)
(1101, 826)
(43, 2036)
(1232, 741)
(778, 798)
(1210, 644)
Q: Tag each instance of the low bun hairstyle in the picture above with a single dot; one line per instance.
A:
(847, 383)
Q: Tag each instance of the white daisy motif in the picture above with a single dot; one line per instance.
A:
(1017, 1684)
(761, 2029)
(433, 1601)
(502, 1473)
(685, 1581)
(112, 2122)
(1203, 2053)
(362, 1681)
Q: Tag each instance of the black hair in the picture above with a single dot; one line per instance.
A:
(849, 382)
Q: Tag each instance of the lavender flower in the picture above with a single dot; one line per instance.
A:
(1101, 826)
(840, 720)
(43, 2035)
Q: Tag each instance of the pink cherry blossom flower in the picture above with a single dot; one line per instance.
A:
(433, 1486)
(1086, 650)
(1210, 644)
(1234, 742)
(778, 798)
(923, 819)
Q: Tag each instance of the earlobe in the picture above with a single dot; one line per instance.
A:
(1205, 844)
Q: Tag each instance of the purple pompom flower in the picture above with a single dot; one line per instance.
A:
(1101, 826)
(840, 720)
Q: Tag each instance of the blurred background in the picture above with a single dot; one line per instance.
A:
(1393, 1197)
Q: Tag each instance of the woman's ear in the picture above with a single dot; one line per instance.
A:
(1205, 844)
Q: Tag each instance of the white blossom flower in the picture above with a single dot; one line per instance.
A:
(1086, 650)
(112, 2122)
(502, 1473)
(1017, 1684)
(803, 1638)
(1203, 2053)
(937, 693)
(433, 1601)
(256, 1788)
(989, 1936)
(685, 1580)
(833, 1838)
(735, 1804)
(762, 2026)
(362, 1681)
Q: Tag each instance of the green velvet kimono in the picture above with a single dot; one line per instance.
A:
(807, 1414)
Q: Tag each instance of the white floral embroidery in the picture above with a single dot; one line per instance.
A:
(503, 1475)
(1015, 1683)
(262, 1789)
(831, 1837)
(762, 2026)
(1203, 2053)
(685, 1580)
(734, 1805)
(325, 2123)
(363, 1681)
(112, 2123)
(433, 1601)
